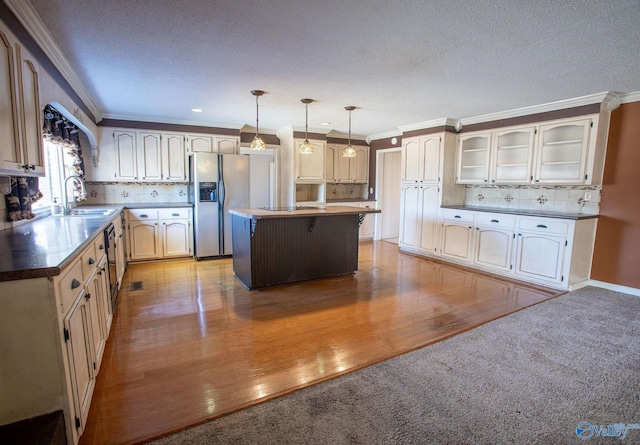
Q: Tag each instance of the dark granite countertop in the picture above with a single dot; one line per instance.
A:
(45, 246)
(574, 216)
(300, 212)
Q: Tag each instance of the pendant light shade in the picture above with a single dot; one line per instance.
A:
(306, 147)
(348, 151)
(257, 143)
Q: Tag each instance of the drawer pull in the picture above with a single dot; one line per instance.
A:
(175, 214)
(542, 226)
(495, 221)
(458, 216)
(101, 247)
(75, 284)
(91, 260)
(87, 296)
(144, 215)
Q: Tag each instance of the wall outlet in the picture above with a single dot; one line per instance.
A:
(370, 189)
(587, 196)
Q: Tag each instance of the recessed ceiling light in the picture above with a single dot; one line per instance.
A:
(325, 123)
(197, 110)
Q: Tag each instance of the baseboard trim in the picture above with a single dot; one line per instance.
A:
(615, 287)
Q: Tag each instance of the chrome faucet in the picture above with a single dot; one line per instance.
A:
(67, 204)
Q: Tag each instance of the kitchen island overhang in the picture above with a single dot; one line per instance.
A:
(281, 246)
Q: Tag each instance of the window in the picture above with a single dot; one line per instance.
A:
(58, 166)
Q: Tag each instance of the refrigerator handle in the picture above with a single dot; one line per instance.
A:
(221, 196)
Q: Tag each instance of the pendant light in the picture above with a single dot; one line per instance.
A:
(257, 143)
(306, 147)
(348, 151)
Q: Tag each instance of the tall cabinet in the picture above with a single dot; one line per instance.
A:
(428, 167)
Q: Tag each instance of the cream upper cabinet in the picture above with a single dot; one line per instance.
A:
(226, 144)
(149, 156)
(199, 143)
(174, 157)
(474, 153)
(125, 145)
(562, 152)
(512, 155)
(21, 147)
(351, 170)
(565, 151)
(310, 166)
(421, 159)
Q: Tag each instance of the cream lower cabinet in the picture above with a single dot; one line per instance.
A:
(548, 251)
(159, 233)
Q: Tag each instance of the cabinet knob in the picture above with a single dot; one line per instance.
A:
(101, 247)
(87, 296)
(75, 284)
(91, 260)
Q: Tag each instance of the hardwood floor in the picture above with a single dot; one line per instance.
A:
(193, 344)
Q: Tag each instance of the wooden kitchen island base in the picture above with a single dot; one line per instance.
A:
(285, 246)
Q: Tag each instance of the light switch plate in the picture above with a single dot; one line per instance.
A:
(587, 196)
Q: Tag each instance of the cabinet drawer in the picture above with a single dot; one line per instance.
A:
(70, 285)
(495, 220)
(143, 214)
(546, 225)
(99, 246)
(174, 213)
(457, 215)
(89, 260)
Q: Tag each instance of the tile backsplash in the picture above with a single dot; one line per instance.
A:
(136, 192)
(346, 191)
(567, 199)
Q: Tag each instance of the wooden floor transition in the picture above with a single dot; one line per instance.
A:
(193, 344)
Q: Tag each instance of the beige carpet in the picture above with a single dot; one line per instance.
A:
(532, 377)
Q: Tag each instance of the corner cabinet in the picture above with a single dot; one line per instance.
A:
(564, 151)
(159, 233)
(21, 148)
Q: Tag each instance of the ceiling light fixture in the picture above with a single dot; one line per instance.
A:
(348, 151)
(306, 147)
(197, 110)
(257, 143)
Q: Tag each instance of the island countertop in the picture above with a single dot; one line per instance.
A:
(298, 212)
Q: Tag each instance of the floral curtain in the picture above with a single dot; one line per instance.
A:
(24, 192)
(59, 130)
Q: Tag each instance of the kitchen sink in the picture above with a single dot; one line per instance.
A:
(91, 212)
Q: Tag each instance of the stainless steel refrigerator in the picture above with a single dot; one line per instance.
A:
(218, 182)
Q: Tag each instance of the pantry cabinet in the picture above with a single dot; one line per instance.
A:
(21, 149)
(421, 159)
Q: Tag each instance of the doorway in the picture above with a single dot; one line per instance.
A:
(389, 163)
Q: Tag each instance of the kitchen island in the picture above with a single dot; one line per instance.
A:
(273, 246)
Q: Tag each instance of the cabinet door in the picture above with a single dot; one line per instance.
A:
(120, 255)
(540, 256)
(200, 143)
(331, 160)
(430, 160)
(429, 205)
(176, 239)
(343, 168)
(561, 152)
(473, 158)
(174, 154)
(310, 166)
(456, 241)
(93, 297)
(409, 216)
(512, 156)
(105, 296)
(493, 248)
(11, 159)
(360, 166)
(411, 160)
(31, 119)
(226, 144)
(77, 325)
(150, 157)
(126, 155)
(144, 240)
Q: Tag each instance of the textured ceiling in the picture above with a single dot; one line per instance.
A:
(399, 62)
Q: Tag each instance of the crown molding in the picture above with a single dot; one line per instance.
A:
(26, 13)
(630, 97)
(442, 122)
(606, 97)
(385, 135)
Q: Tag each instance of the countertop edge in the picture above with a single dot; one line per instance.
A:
(532, 213)
(326, 212)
